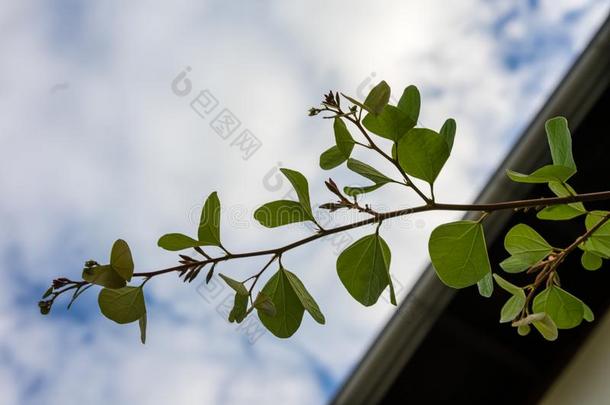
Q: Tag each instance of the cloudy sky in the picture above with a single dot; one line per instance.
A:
(95, 144)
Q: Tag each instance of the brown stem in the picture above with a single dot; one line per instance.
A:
(491, 207)
(586, 235)
(550, 266)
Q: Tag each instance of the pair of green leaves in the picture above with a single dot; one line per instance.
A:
(208, 233)
(290, 299)
(283, 212)
(388, 121)
(240, 302)
(597, 246)
(459, 254)
(364, 269)
(554, 308)
(599, 241)
(422, 153)
(565, 310)
(541, 321)
(117, 301)
(526, 247)
(560, 143)
(117, 273)
(341, 151)
(392, 122)
(379, 179)
(240, 310)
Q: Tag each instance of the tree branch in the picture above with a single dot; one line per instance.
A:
(432, 206)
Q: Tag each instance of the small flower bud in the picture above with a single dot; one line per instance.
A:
(313, 111)
(45, 306)
(60, 282)
(329, 99)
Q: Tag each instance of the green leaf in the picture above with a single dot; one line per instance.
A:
(515, 304)
(391, 123)
(560, 212)
(367, 171)
(564, 211)
(566, 310)
(507, 286)
(370, 173)
(377, 98)
(343, 139)
(281, 212)
(459, 254)
(364, 269)
(523, 330)
(264, 304)
(513, 264)
(306, 299)
(563, 190)
(527, 248)
(448, 132)
(354, 191)
(237, 286)
(512, 308)
(563, 167)
(560, 142)
(104, 276)
(209, 224)
(289, 310)
(48, 292)
(599, 241)
(177, 241)
(590, 261)
(331, 158)
(587, 313)
(240, 308)
(121, 260)
(124, 305)
(422, 153)
(299, 182)
(410, 103)
(545, 174)
(486, 286)
(546, 327)
(142, 324)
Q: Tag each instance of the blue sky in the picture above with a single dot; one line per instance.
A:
(95, 145)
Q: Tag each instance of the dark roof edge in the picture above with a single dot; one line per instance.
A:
(575, 95)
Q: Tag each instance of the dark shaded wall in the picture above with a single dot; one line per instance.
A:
(468, 357)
